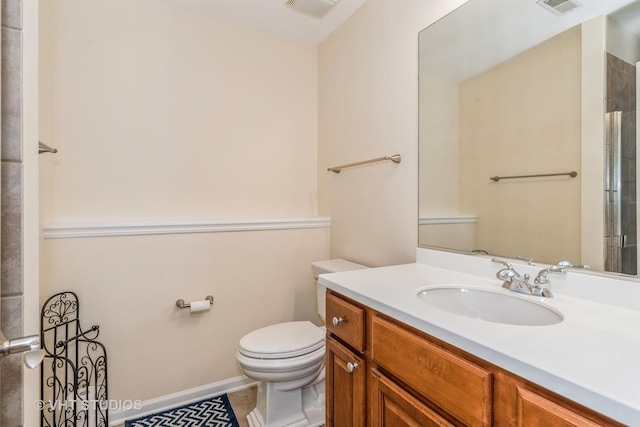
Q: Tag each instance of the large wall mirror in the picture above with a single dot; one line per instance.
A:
(528, 131)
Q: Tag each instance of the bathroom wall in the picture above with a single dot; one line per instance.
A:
(368, 108)
(129, 285)
(441, 224)
(439, 138)
(500, 112)
(160, 114)
(592, 128)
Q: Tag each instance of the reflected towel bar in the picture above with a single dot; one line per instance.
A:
(572, 174)
(396, 158)
(44, 148)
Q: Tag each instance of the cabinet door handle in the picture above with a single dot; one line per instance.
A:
(351, 366)
(337, 320)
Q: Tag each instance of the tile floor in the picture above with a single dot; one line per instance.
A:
(242, 402)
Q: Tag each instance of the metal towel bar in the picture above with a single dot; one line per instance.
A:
(396, 158)
(572, 174)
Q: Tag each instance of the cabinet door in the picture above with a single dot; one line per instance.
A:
(391, 406)
(535, 410)
(346, 375)
(460, 388)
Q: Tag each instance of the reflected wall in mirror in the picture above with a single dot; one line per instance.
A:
(510, 89)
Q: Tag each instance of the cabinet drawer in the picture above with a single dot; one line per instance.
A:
(346, 321)
(460, 388)
(535, 410)
(391, 406)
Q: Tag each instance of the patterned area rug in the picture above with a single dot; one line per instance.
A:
(213, 412)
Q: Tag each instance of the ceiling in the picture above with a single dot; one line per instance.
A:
(272, 16)
(483, 33)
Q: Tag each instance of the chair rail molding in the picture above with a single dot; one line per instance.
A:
(143, 228)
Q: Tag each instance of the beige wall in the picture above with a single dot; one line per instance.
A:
(448, 235)
(439, 147)
(368, 107)
(129, 285)
(439, 166)
(593, 134)
(161, 114)
(501, 112)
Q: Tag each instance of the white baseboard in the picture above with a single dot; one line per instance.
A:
(181, 398)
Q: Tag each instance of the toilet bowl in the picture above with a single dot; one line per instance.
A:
(288, 361)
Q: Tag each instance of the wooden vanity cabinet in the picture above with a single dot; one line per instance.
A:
(346, 368)
(383, 373)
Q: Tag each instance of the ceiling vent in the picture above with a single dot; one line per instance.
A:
(314, 8)
(559, 7)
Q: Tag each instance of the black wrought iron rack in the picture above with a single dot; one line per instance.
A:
(73, 375)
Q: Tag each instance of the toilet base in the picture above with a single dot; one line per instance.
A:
(296, 408)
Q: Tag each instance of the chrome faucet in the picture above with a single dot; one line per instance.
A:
(513, 281)
(541, 283)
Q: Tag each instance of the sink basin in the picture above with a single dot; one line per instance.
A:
(489, 305)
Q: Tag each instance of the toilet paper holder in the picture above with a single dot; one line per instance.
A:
(181, 304)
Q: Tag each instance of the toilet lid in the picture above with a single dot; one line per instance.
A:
(282, 340)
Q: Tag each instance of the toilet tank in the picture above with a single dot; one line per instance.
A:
(330, 266)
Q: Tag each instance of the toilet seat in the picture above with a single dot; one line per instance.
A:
(282, 370)
(283, 341)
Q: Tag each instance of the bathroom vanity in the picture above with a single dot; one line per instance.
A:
(512, 164)
(393, 359)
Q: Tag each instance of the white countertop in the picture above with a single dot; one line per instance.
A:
(591, 357)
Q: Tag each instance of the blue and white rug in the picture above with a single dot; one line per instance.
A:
(213, 412)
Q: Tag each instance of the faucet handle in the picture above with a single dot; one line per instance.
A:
(506, 274)
(560, 269)
(525, 259)
(505, 263)
(567, 264)
(542, 279)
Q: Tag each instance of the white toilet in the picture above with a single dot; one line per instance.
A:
(288, 360)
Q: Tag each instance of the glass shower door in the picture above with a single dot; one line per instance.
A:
(620, 193)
